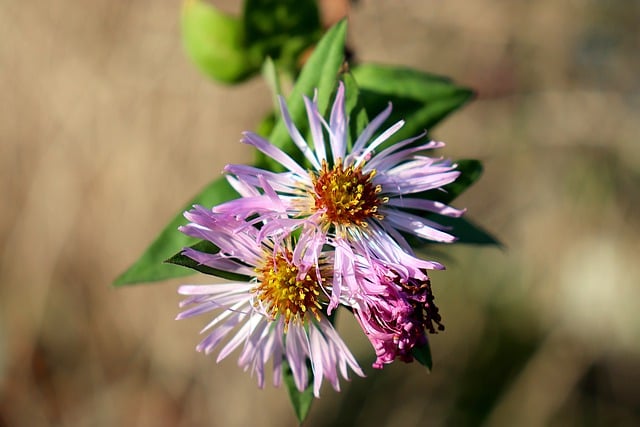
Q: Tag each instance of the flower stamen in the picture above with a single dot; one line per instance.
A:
(346, 195)
(281, 291)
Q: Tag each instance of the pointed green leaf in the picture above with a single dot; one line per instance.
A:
(281, 29)
(419, 98)
(356, 111)
(215, 41)
(423, 355)
(150, 266)
(271, 77)
(466, 231)
(301, 401)
(210, 248)
(320, 72)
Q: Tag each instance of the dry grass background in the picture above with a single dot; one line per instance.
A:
(107, 130)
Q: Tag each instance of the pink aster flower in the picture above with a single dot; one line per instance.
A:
(276, 315)
(396, 314)
(347, 198)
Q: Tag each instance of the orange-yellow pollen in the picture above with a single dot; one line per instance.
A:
(282, 292)
(347, 195)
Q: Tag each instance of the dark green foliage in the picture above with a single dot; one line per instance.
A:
(150, 266)
(301, 401)
(210, 248)
(420, 99)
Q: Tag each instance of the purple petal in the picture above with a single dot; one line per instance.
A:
(295, 134)
(297, 351)
(416, 225)
(338, 125)
(344, 355)
(368, 132)
(394, 155)
(240, 337)
(426, 205)
(274, 152)
(217, 335)
(379, 140)
(413, 182)
(317, 346)
(316, 129)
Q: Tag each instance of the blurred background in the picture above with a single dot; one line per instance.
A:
(107, 130)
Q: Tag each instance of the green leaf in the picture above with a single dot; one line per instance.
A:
(321, 72)
(423, 355)
(210, 248)
(271, 77)
(215, 41)
(419, 98)
(355, 110)
(150, 266)
(281, 29)
(466, 231)
(301, 401)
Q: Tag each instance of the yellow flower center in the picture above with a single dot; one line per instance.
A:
(283, 293)
(347, 196)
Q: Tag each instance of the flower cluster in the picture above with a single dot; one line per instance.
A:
(328, 231)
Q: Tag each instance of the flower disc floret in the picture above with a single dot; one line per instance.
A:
(273, 313)
(280, 290)
(346, 195)
(362, 197)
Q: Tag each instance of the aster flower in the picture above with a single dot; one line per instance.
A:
(358, 198)
(276, 315)
(397, 313)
